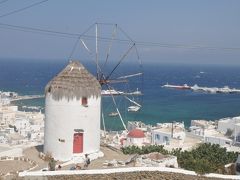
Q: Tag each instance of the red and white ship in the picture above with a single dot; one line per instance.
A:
(110, 92)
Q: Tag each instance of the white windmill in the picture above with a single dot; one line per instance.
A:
(73, 105)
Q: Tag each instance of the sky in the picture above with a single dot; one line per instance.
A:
(203, 31)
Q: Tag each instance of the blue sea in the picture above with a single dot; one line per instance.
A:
(158, 104)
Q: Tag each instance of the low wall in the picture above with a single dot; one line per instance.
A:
(120, 170)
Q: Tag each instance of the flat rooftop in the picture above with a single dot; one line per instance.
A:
(168, 129)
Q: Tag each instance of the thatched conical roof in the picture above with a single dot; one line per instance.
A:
(74, 81)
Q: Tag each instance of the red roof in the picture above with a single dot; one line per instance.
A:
(136, 133)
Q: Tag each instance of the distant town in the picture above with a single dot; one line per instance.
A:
(19, 128)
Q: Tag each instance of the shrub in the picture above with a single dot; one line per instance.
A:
(206, 158)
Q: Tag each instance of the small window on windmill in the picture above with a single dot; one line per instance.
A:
(61, 140)
(85, 101)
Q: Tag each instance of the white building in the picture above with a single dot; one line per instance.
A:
(137, 125)
(4, 101)
(198, 131)
(205, 124)
(237, 133)
(213, 136)
(136, 137)
(160, 136)
(72, 114)
(7, 115)
(228, 123)
(36, 118)
(163, 133)
(198, 127)
(21, 124)
(221, 140)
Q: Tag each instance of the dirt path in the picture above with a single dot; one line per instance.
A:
(13, 166)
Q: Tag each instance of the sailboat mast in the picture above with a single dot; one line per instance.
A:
(133, 101)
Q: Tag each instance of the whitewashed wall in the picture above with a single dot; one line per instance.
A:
(121, 170)
(227, 123)
(222, 141)
(135, 141)
(62, 117)
(161, 140)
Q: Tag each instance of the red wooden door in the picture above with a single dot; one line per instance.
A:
(78, 143)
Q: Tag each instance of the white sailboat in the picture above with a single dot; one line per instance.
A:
(136, 107)
(112, 114)
(133, 108)
(135, 93)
